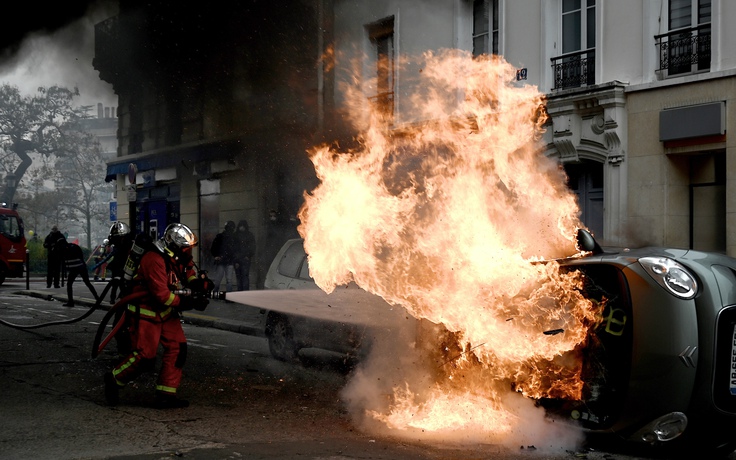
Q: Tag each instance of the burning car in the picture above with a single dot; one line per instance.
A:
(660, 366)
(657, 369)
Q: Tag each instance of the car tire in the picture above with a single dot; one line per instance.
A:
(281, 342)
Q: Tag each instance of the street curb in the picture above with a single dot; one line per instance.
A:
(60, 297)
(223, 324)
(37, 294)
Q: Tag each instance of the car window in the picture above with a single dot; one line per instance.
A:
(304, 272)
(292, 260)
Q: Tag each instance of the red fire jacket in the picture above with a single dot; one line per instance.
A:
(159, 275)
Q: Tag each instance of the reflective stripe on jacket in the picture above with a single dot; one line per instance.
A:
(145, 312)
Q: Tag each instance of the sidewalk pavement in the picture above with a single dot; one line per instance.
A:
(220, 314)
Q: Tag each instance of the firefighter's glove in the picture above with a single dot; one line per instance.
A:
(186, 303)
(201, 286)
(200, 303)
(196, 301)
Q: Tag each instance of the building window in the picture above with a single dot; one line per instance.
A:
(685, 48)
(381, 35)
(576, 66)
(485, 27)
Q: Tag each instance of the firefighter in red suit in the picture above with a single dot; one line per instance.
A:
(154, 319)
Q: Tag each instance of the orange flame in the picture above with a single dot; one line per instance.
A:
(447, 215)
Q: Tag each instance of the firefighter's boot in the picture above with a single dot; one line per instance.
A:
(169, 401)
(112, 389)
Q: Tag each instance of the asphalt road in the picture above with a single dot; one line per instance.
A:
(244, 403)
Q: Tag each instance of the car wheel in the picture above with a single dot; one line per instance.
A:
(281, 342)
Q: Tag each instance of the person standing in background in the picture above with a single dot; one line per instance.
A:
(223, 251)
(55, 244)
(75, 266)
(245, 248)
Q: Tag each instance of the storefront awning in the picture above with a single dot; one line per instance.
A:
(173, 156)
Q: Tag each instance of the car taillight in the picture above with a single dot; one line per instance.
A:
(672, 276)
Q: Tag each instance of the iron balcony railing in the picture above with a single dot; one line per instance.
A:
(684, 50)
(574, 70)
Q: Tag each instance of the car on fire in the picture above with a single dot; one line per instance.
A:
(660, 369)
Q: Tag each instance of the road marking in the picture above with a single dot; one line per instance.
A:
(211, 346)
(199, 345)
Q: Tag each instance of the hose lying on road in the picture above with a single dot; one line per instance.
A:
(66, 321)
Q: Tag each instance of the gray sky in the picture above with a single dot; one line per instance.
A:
(62, 57)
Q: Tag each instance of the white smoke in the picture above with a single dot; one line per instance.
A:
(62, 57)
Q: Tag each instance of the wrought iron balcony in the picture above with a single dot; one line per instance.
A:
(574, 70)
(684, 50)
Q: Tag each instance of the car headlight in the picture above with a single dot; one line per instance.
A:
(665, 428)
(672, 276)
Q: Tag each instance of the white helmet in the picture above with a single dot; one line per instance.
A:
(119, 228)
(179, 236)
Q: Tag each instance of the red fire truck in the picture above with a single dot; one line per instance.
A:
(12, 243)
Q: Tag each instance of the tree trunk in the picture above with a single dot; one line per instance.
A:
(20, 149)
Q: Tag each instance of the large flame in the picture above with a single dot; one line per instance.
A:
(449, 216)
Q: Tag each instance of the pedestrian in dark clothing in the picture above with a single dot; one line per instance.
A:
(75, 266)
(223, 250)
(55, 244)
(245, 248)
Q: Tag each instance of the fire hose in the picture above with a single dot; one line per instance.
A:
(99, 344)
(66, 321)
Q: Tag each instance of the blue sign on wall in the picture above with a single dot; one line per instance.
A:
(113, 211)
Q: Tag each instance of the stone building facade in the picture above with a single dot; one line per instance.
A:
(217, 108)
